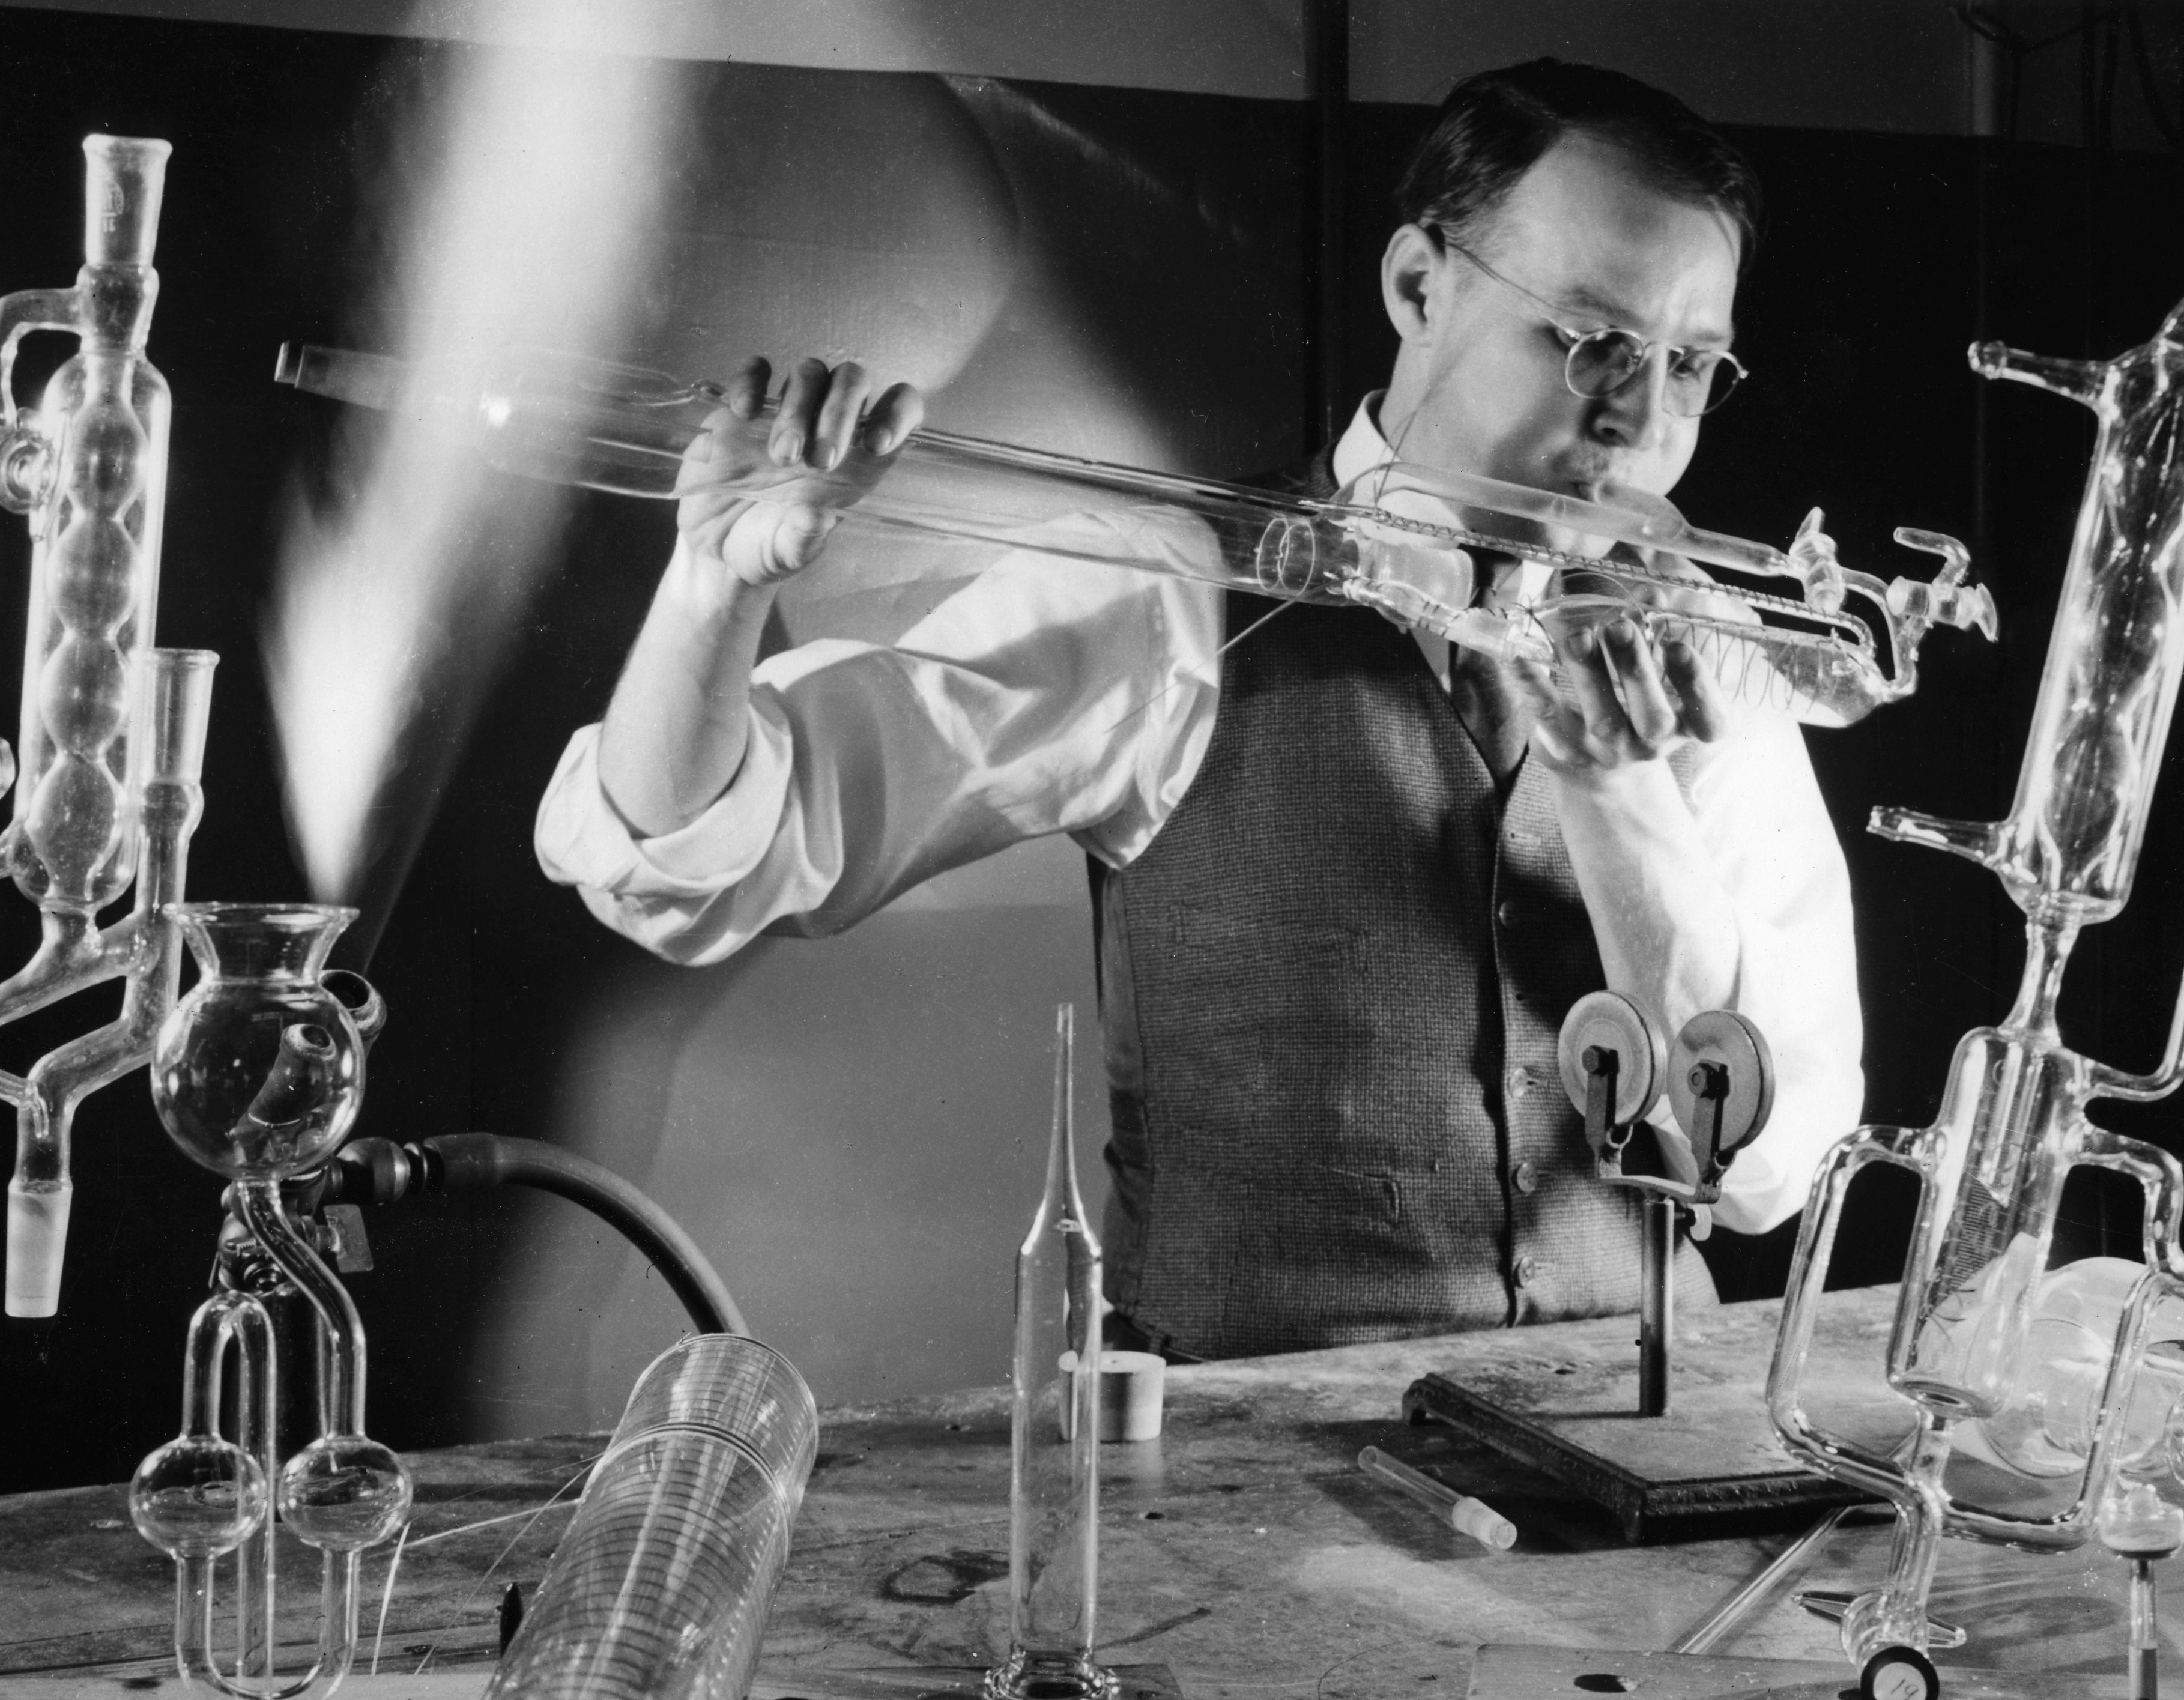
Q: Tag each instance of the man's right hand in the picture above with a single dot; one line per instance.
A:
(679, 724)
(821, 423)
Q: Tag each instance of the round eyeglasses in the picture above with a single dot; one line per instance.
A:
(1599, 363)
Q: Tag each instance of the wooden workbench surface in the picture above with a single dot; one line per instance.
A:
(1243, 1550)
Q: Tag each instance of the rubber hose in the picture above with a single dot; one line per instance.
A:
(476, 1160)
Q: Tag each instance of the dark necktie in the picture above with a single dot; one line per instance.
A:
(1498, 719)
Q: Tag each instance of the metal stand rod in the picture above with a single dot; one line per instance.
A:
(1657, 1303)
(2145, 1644)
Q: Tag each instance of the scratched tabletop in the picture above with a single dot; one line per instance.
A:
(1243, 1553)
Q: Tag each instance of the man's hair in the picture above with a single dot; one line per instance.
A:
(1495, 126)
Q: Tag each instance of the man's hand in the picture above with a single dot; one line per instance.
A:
(758, 522)
(751, 515)
(1621, 703)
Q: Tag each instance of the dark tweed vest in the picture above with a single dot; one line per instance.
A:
(1341, 966)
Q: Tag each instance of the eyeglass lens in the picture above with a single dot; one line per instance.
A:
(1699, 380)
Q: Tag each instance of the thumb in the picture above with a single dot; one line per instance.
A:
(774, 541)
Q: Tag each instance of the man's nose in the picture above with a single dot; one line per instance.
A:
(1636, 416)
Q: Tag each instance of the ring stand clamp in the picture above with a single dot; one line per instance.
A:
(1719, 1082)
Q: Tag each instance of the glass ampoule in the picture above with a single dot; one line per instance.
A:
(1054, 1432)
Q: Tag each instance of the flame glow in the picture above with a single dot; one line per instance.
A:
(527, 223)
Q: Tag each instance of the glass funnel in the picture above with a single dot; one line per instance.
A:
(259, 1071)
(1398, 539)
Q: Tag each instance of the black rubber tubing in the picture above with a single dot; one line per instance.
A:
(470, 1161)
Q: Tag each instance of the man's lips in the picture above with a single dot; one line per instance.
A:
(1586, 481)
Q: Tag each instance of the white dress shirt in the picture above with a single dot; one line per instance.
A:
(1054, 696)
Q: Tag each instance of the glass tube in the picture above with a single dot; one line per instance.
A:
(1398, 539)
(177, 702)
(98, 473)
(661, 1587)
(1053, 1454)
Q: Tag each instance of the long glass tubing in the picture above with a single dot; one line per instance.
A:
(630, 432)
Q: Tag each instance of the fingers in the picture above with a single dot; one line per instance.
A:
(1619, 702)
(1648, 718)
(838, 412)
(1705, 705)
(764, 513)
(747, 386)
(1813, 551)
(801, 399)
(899, 410)
(1591, 666)
(823, 415)
(1557, 732)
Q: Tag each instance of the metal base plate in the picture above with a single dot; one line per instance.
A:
(1573, 1414)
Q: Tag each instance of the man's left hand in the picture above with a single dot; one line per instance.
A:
(1617, 703)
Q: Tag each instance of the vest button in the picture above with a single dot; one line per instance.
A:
(1520, 1082)
(1507, 913)
(1527, 1270)
(1525, 1177)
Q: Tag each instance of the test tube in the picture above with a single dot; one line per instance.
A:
(1462, 1513)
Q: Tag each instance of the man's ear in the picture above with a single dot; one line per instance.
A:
(1407, 273)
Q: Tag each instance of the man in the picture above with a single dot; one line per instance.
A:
(1347, 883)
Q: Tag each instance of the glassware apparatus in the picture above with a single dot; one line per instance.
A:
(257, 1075)
(1396, 539)
(1054, 1461)
(2013, 1119)
(112, 730)
(661, 1588)
(90, 466)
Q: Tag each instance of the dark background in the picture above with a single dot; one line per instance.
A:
(1884, 256)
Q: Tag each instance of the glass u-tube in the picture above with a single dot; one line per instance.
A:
(1398, 539)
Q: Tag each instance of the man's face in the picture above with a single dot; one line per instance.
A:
(1478, 384)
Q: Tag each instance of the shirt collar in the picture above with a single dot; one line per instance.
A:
(1362, 447)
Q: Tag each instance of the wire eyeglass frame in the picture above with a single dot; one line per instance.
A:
(1607, 370)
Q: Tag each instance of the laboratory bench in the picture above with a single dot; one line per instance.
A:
(1243, 1553)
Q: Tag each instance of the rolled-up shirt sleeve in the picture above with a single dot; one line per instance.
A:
(1043, 697)
(1769, 836)
(1731, 892)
